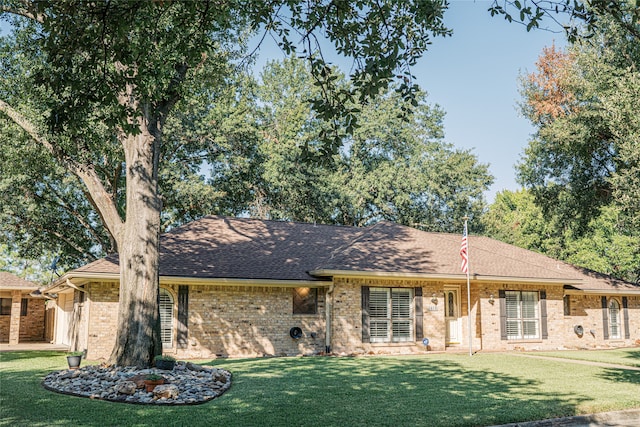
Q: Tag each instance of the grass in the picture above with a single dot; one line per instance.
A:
(619, 356)
(430, 390)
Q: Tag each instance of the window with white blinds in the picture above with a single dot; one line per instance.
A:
(390, 314)
(523, 315)
(166, 318)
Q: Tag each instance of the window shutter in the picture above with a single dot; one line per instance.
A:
(503, 315)
(366, 337)
(605, 320)
(418, 314)
(625, 315)
(183, 315)
(543, 315)
(166, 318)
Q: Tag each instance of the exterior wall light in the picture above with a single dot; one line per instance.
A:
(491, 299)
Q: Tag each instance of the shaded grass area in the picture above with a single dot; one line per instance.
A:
(618, 356)
(430, 390)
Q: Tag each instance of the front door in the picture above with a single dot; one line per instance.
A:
(452, 315)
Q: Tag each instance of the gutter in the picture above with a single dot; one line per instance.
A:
(602, 291)
(437, 276)
(328, 313)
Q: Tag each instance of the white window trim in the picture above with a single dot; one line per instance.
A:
(520, 320)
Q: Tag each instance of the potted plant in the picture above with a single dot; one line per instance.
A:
(73, 359)
(166, 363)
(152, 380)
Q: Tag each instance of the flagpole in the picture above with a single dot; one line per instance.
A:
(468, 288)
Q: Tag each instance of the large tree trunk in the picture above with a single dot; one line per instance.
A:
(138, 331)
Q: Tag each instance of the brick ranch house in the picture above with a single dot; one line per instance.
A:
(247, 287)
(22, 317)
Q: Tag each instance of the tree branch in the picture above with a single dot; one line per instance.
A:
(106, 206)
(27, 11)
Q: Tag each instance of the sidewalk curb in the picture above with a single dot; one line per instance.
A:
(629, 417)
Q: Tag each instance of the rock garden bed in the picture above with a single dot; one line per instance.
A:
(186, 384)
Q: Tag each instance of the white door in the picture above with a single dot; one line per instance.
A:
(63, 321)
(452, 315)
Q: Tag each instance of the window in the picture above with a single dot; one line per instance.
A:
(5, 306)
(614, 319)
(522, 315)
(567, 305)
(305, 300)
(390, 314)
(166, 318)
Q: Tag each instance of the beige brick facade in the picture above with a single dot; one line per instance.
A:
(250, 321)
(223, 321)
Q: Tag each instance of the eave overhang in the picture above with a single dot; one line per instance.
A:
(439, 276)
(75, 280)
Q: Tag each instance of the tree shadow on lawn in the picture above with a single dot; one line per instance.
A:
(621, 375)
(326, 391)
(635, 357)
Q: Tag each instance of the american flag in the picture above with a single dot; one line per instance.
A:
(464, 266)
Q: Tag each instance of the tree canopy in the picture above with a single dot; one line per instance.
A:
(94, 84)
(585, 153)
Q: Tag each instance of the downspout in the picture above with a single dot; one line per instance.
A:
(328, 318)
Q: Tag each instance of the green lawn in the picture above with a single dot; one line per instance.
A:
(430, 390)
(619, 356)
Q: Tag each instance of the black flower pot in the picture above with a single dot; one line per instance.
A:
(166, 365)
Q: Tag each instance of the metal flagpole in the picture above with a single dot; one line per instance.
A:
(468, 288)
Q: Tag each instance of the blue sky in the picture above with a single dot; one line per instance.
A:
(473, 76)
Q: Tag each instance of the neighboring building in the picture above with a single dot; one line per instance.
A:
(22, 317)
(247, 287)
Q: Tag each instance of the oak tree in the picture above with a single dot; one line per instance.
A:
(97, 82)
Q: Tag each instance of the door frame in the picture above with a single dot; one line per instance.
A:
(457, 312)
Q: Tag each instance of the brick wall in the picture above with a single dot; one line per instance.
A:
(255, 320)
(101, 311)
(250, 321)
(223, 321)
(31, 326)
(586, 311)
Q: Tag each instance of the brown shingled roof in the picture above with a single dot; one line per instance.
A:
(11, 281)
(240, 248)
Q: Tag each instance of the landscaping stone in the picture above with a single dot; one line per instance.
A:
(187, 384)
(166, 391)
(125, 387)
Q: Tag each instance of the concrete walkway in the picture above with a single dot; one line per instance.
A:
(628, 418)
(33, 346)
(579, 362)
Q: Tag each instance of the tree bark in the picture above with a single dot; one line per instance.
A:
(138, 329)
